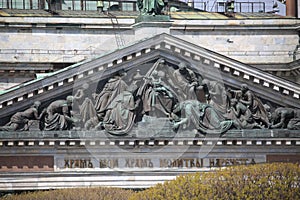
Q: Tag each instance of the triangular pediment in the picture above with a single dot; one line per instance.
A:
(143, 55)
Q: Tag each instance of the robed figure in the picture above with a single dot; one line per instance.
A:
(120, 113)
(203, 117)
(151, 7)
(112, 88)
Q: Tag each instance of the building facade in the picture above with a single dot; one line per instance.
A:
(36, 41)
(103, 99)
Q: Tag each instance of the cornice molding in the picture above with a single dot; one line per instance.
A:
(234, 72)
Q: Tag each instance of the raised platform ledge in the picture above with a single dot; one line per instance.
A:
(276, 137)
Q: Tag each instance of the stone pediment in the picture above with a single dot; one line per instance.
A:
(159, 113)
(144, 55)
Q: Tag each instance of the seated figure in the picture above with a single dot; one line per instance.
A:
(157, 95)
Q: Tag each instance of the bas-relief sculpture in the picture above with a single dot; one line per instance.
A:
(58, 115)
(178, 94)
(22, 120)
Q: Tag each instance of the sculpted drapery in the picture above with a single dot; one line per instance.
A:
(151, 7)
(162, 91)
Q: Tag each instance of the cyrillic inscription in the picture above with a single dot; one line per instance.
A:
(139, 163)
(223, 162)
(156, 163)
(185, 162)
(109, 163)
(78, 163)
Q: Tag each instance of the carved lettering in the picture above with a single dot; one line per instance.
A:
(90, 164)
(211, 162)
(179, 163)
(67, 165)
(138, 163)
(224, 162)
(163, 163)
(150, 164)
(78, 163)
(109, 163)
(83, 164)
(186, 162)
(71, 163)
(199, 163)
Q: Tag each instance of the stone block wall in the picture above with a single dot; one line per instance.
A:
(45, 40)
(64, 40)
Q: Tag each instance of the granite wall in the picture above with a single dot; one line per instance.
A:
(65, 40)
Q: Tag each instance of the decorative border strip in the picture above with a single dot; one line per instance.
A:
(157, 143)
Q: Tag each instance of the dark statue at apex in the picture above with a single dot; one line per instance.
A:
(182, 97)
(152, 11)
(151, 7)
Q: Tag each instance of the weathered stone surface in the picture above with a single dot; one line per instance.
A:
(152, 18)
(147, 131)
(81, 38)
(25, 163)
(152, 145)
(131, 162)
